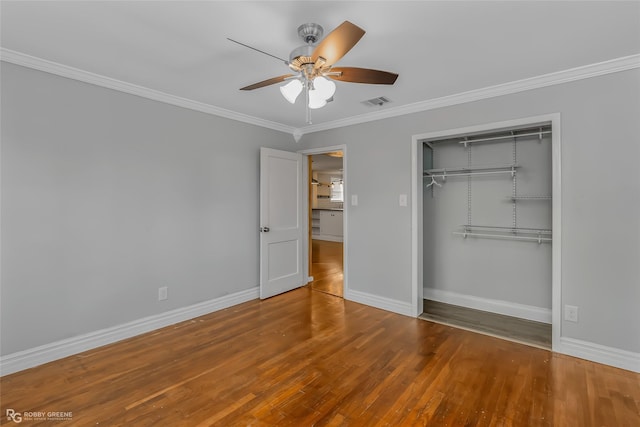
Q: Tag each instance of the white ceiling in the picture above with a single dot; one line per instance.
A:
(437, 48)
(326, 163)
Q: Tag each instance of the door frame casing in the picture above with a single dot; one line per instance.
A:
(306, 154)
(556, 196)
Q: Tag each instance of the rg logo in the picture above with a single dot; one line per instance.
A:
(14, 416)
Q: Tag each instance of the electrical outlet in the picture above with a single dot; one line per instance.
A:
(354, 200)
(402, 200)
(571, 313)
(163, 293)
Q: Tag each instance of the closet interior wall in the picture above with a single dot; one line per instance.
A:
(498, 269)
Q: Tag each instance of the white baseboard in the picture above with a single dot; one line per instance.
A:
(57, 350)
(383, 303)
(529, 312)
(611, 356)
(49, 352)
(572, 347)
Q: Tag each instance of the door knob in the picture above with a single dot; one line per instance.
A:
(264, 229)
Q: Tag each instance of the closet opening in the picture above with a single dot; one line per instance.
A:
(487, 231)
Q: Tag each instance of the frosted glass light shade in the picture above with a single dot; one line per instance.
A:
(316, 100)
(325, 87)
(291, 90)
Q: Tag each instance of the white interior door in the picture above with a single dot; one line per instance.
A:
(281, 222)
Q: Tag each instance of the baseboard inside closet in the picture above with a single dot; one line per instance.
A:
(523, 331)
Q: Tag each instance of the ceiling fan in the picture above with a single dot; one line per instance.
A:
(313, 65)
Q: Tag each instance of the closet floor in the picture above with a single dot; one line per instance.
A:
(510, 328)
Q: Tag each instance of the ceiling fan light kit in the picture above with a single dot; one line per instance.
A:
(291, 90)
(321, 91)
(313, 66)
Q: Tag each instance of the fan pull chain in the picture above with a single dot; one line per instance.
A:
(306, 94)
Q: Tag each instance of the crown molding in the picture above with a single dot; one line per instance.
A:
(559, 77)
(51, 67)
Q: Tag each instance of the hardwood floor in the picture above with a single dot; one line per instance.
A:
(307, 358)
(327, 267)
(512, 328)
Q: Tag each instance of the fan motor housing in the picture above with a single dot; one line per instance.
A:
(302, 51)
(300, 57)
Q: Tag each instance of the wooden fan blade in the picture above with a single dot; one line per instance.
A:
(267, 82)
(363, 75)
(337, 43)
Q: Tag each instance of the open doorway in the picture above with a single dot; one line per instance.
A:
(326, 222)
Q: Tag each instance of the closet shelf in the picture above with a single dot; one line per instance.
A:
(507, 229)
(529, 197)
(537, 133)
(539, 235)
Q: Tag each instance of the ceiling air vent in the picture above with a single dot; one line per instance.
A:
(379, 101)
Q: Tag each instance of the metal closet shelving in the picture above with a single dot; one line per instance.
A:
(507, 233)
(445, 173)
(438, 176)
(530, 198)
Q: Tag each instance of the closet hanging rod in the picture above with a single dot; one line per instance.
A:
(538, 239)
(471, 141)
(449, 175)
(502, 167)
(507, 229)
(530, 197)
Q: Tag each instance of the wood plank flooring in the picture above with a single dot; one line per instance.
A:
(507, 327)
(307, 358)
(327, 267)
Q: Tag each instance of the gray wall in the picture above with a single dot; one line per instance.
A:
(600, 188)
(108, 196)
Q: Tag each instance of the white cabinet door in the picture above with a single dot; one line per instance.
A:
(335, 219)
(339, 225)
(331, 223)
(324, 222)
